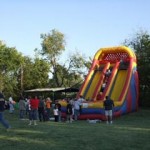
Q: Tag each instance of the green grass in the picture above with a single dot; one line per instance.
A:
(129, 132)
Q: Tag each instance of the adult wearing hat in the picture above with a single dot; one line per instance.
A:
(2, 108)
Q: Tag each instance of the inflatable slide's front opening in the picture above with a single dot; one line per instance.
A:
(113, 73)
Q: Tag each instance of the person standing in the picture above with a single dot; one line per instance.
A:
(59, 110)
(22, 108)
(2, 108)
(80, 100)
(11, 105)
(55, 111)
(41, 110)
(33, 114)
(76, 109)
(48, 107)
(108, 106)
(69, 112)
(72, 104)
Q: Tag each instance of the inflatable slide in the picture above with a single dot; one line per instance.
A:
(121, 84)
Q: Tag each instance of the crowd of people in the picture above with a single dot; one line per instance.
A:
(37, 108)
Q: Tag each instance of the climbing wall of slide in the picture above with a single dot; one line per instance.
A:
(122, 85)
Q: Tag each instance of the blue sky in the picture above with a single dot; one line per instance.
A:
(87, 24)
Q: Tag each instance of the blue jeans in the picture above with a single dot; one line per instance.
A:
(59, 116)
(11, 108)
(21, 114)
(76, 114)
(3, 121)
(48, 113)
(33, 114)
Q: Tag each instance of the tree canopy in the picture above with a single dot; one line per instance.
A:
(19, 72)
(140, 43)
(53, 45)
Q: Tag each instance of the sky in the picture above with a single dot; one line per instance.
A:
(88, 25)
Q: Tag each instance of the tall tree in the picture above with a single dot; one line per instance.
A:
(53, 44)
(10, 61)
(140, 43)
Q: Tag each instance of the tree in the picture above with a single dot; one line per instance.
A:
(53, 45)
(140, 43)
(18, 72)
(10, 60)
(35, 73)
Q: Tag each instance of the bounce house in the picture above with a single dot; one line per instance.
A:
(121, 85)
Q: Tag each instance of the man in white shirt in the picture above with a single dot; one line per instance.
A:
(80, 100)
(76, 109)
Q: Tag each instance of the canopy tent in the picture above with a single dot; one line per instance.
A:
(61, 89)
(53, 90)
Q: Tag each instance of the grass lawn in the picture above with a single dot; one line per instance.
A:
(129, 132)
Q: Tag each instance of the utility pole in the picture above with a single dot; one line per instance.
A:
(21, 79)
